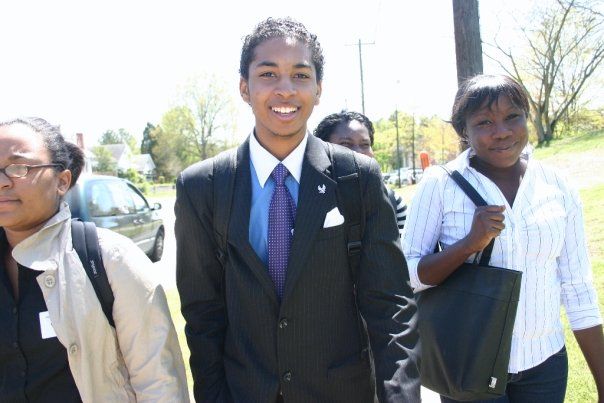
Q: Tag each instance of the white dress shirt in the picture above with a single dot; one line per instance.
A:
(543, 238)
(264, 162)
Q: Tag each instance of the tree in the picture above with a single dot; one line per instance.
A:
(564, 48)
(210, 110)
(468, 46)
(432, 134)
(148, 141)
(172, 149)
(438, 138)
(104, 161)
(119, 137)
(384, 148)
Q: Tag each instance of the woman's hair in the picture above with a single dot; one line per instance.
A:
(280, 28)
(328, 125)
(69, 155)
(483, 89)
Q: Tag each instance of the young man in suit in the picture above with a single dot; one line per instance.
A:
(276, 316)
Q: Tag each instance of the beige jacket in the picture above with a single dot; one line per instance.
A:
(142, 362)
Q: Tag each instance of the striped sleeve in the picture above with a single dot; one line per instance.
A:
(574, 270)
(422, 226)
(401, 213)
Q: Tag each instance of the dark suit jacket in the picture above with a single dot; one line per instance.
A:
(313, 347)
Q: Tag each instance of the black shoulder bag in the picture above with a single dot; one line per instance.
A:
(466, 323)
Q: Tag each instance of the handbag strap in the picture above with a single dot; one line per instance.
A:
(469, 190)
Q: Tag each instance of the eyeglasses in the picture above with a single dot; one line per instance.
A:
(21, 170)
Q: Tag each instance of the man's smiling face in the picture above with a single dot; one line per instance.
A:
(282, 88)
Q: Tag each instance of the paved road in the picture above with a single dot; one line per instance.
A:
(165, 269)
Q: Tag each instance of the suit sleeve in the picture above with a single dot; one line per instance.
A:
(385, 297)
(199, 278)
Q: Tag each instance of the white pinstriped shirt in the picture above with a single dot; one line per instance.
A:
(544, 238)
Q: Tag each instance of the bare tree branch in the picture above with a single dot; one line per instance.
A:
(564, 49)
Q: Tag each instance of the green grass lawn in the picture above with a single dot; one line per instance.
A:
(581, 387)
(572, 145)
(179, 323)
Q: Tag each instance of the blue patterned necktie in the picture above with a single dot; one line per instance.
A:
(281, 218)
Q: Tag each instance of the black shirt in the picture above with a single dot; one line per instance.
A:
(32, 369)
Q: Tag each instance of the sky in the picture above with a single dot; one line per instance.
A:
(94, 66)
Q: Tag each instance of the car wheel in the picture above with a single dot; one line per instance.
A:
(158, 246)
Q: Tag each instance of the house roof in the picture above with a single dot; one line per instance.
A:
(116, 150)
(142, 162)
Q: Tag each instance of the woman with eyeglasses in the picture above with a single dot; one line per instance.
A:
(56, 344)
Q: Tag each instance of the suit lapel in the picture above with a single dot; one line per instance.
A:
(240, 220)
(313, 205)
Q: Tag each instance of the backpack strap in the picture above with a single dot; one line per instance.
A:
(346, 172)
(223, 185)
(86, 243)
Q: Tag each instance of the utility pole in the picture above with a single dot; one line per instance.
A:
(398, 150)
(362, 82)
(442, 144)
(413, 151)
(468, 46)
(360, 44)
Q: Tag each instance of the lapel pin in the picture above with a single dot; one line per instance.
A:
(321, 188)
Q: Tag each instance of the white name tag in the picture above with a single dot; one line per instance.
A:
(46, 326)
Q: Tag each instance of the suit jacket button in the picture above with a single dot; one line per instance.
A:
(287, 376)
(283, 323)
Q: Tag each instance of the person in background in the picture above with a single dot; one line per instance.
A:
(278, 316)
(56, 344)
(536, 218)
(355, 131)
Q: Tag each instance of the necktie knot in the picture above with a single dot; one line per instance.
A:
(279, 174)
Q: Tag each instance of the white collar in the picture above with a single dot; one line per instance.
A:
(264, 162)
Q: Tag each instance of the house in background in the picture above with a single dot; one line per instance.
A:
(122, 155)
(144, 165)
(89, 157)
(125, 160)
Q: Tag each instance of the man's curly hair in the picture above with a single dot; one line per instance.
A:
(280, 28)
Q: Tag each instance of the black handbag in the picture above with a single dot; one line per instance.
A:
(466, 323)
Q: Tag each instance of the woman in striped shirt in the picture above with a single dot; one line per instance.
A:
(537, 222)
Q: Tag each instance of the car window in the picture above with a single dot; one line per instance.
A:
(140, 204)
(108, 198)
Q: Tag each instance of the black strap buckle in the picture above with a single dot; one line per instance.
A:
(354, 248)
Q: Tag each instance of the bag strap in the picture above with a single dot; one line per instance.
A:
(346, 173)
(86, 243)
(469, 190)
(223, 185)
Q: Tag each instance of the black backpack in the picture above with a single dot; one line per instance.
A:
(86, 243)
(345, 172)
